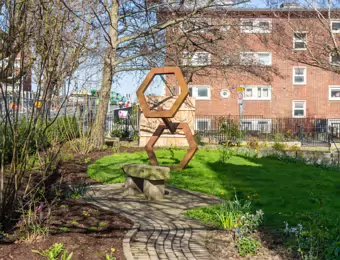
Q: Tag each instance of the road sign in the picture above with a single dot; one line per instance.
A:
(240, 90)
(240, 96)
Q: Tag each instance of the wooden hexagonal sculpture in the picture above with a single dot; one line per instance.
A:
(148, 113)
(192, 144)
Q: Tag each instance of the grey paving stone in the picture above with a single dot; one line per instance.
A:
(164, 232)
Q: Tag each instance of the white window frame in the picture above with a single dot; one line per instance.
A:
(330, 91)
(256, 25)
(299, 40)
(256, 62)
(333, 63)
(255, 125)
(194, 59)
(304, 74)
(335, 31)
(255, 92)
(304, 108)
(204, 120)
(194, 91)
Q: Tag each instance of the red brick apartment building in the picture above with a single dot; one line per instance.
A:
(284, 59)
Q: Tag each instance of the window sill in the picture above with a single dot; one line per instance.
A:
(299, 49)
(334, 99)
(299, 117)
(300, 85)
(203, 99)
(257, 99)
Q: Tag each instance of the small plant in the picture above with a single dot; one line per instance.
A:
(75, 223)
(78, 191)
(225, 153)
(247, 246)
(253, 143)
(102, 224)
(93, 229)
(54, 252)
(86, 214)
(110, 257)
(88, 160)
(65, 229)
(64, 206)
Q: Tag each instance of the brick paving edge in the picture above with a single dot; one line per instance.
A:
(126, 241)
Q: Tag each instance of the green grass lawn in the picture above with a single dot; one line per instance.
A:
(287, 191)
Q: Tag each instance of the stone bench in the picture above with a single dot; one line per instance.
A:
(146, 179)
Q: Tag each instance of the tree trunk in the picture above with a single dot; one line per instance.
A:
(97, 138)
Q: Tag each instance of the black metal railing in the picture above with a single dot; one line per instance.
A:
(309, 131)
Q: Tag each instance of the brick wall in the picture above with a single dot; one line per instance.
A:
(279, 42)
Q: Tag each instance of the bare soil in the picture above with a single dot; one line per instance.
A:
(84, 229)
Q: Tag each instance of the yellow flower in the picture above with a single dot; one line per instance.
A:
(255, 150)
(232, 149)
(248, 197)
(224, 144)
(113, 250)
(222, 193)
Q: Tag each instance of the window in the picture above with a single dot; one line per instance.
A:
(256, 25)
(203, 124)
(299, 76)
(300, 40)
(200, 92)
(335, 26)
(334, 93)
(196, 58)
(299, 108)
(256, 58)
(257, 125)
(257, 93)
(335, 59)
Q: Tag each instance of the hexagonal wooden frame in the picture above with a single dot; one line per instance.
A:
(191, 140)
(176, 105)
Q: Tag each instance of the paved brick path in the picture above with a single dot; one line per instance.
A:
(164, 232)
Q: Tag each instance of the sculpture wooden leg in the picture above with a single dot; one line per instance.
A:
(154, 190)
(133, 186)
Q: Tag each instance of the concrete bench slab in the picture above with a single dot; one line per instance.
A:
(146, 179)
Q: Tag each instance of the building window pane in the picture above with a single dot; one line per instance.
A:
(249, 92)
(299, 108)
(202, 124)
(202, 92)
(336, 26)
(335, 93)
(299, 77)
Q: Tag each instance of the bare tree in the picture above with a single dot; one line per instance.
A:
(49, 43)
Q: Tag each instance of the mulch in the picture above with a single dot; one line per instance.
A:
(86, 230)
